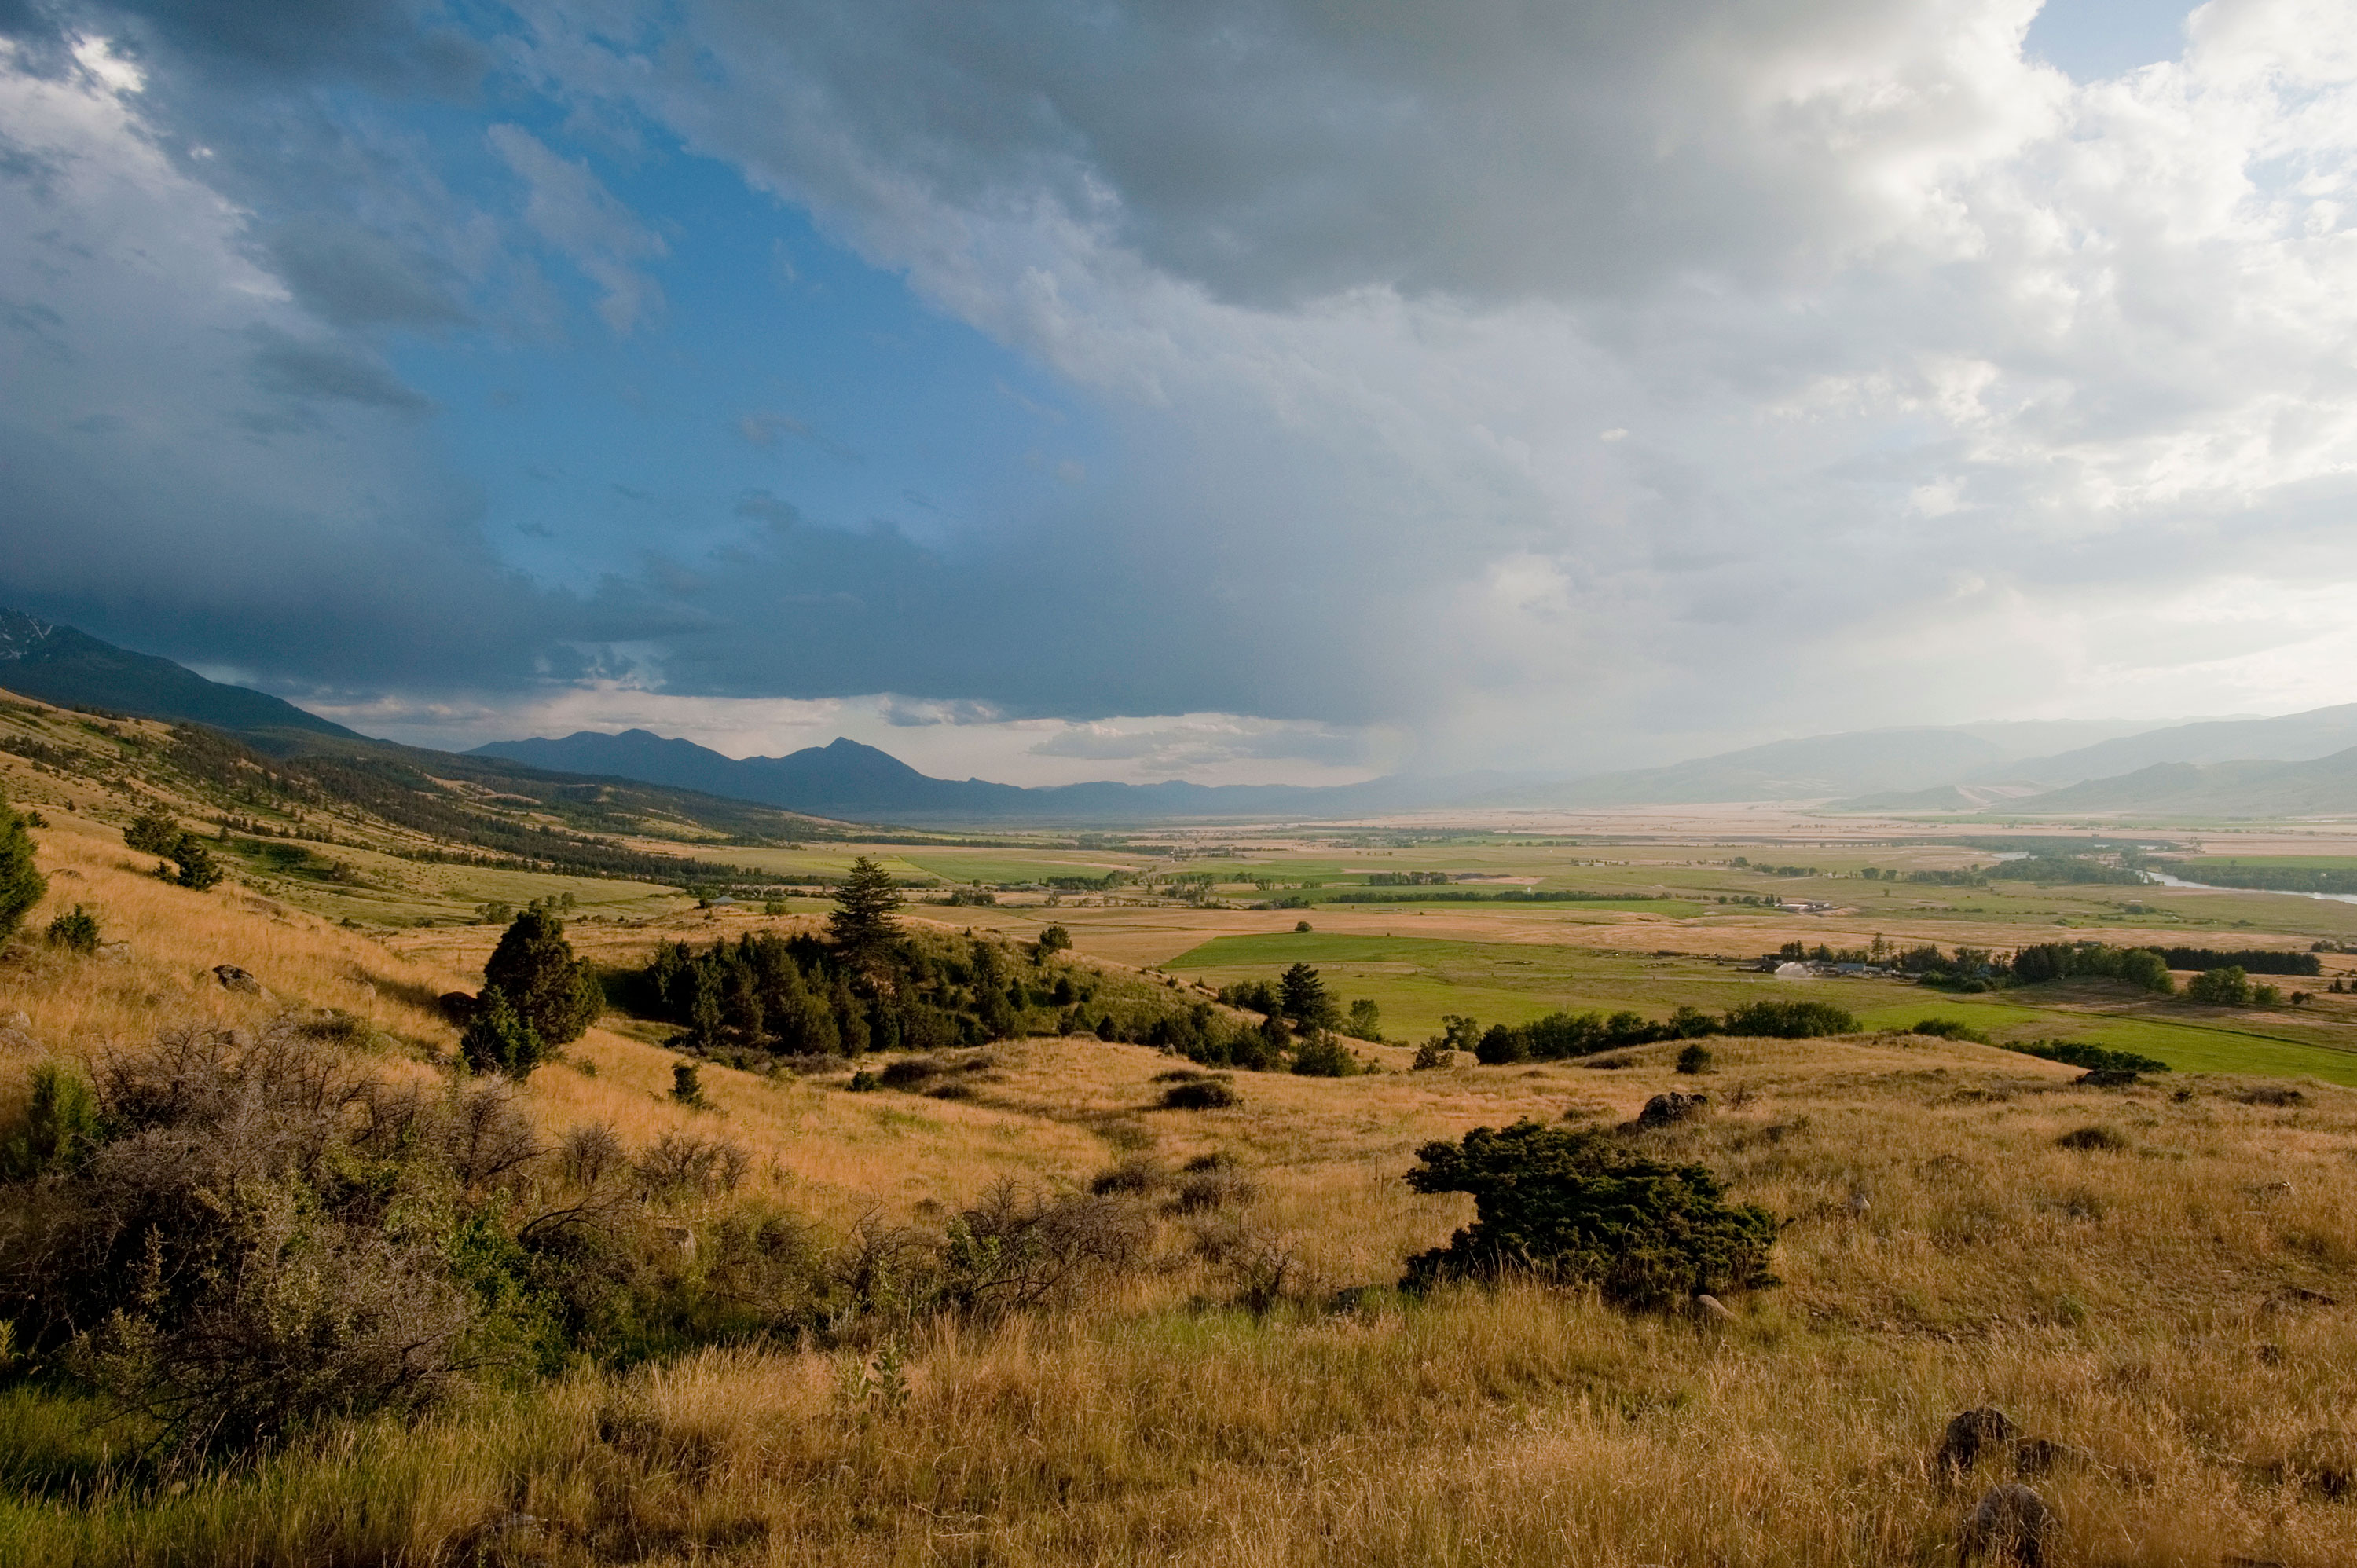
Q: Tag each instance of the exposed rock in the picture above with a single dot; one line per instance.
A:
(20, 1021)
(2010, 1525)
(114, 952)
(1669, 1109)
(2110, 1077)
(1710, 1310)
(235, 979)
(1970, 1434)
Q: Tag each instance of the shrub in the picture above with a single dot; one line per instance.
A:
(2087, 1138)
(2226, 987)
(1575, 1207)
(2095, 1058)
(1053, 940)
(589, 1154)
(535, 966)
(236, 1253)
(22, 885)
(75, 932)
(1949, 1029)
(1366, 1019)
(62, 1126)
(1789, 1020)
(1016, 1251)
(1323, 1055)
(152, 833)
(193, 865)
(498, 1038)
(686, 1084)
(1695, 1058)
(1433, 1054)
(1202, 1094)
(685, 1163)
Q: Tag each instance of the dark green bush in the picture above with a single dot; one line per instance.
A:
(2095, 1058)
(152, 833)
(1789, 1020)
(2087, 1138)
(62, 1126)
(76, 931)
(1695, 1058)
(1323, 1055)
(498, 1038)
(22, 885)
(1578, 1208)
(1202, 1094)
(534, 968)
(1950, 1029)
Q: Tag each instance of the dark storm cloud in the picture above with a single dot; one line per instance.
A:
(295, 369)
(353, 277)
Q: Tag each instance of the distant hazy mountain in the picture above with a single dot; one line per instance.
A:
(2292, 738)
(70, 669)
(1944, 797)
(847, 779)
(1780, 770)
(2325, 785)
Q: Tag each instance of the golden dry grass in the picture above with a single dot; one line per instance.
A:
(2139, 1303)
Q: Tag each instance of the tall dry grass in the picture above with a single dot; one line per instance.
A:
(2142, 1303)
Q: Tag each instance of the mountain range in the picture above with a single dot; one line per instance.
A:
(2294, 765)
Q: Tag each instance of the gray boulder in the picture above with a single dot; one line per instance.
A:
(2010, 1525)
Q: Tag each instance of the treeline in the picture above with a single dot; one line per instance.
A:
(766, 995)
(2068, 868)
(2267, 878)
(1561, 1034)
(1506, 895)
(1407, 879)
(2250, 960)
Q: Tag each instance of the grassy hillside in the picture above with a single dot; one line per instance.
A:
(1240, 1385)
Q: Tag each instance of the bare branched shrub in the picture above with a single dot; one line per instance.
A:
(591, 1153)
(1015, 1251)
(224, 1261)
(682, 1164)
(486, 1135)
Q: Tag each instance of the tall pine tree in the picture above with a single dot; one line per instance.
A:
(21, 883)
(862, 921)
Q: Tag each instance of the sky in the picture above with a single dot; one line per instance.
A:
(1241, 390)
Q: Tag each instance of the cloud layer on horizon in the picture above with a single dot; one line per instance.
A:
(1555, 387)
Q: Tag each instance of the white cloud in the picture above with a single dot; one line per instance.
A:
(1881, 294)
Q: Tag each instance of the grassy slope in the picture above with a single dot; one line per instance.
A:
(2111, 1300)
(2117, 1301)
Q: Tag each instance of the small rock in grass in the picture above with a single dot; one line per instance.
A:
(2010, 1525)
(232, 978)
(1668, 1110)
(1710, 1310)
(1970, 1434)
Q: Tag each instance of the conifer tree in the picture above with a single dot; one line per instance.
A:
(500, 1039)
(21, 882)
(549, 988)
(862, 920)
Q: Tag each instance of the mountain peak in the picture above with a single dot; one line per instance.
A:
(72, 669)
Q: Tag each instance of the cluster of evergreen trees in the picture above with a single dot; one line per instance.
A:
(1560, 1035)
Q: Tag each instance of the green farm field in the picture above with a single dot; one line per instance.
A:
(1416, 981)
